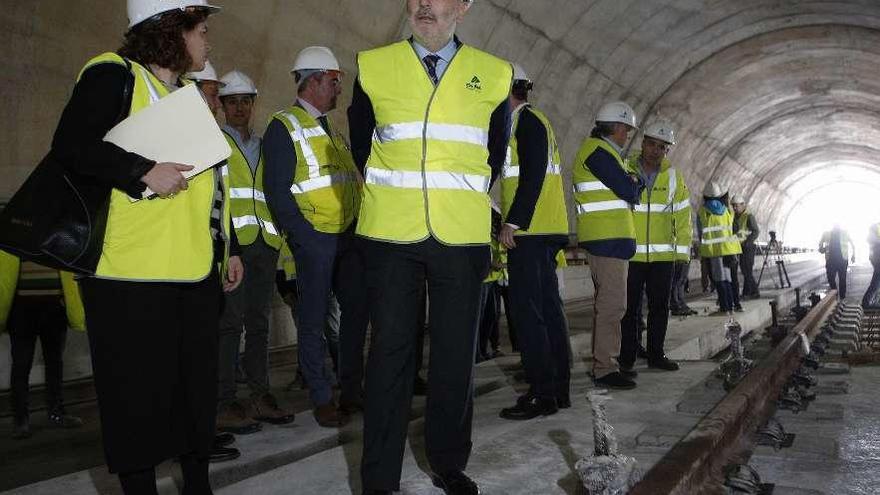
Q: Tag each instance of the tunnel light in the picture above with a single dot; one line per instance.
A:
(850, 200)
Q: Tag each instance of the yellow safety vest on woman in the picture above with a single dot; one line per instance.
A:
(663, 216)
(247, 203)
(601, 214)
(163, 239)
(716, 234)
(427, 174)
(743, 232)
(10, 271)
(325, 183)
(551, 214)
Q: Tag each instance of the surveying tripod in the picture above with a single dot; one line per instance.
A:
(774, 248)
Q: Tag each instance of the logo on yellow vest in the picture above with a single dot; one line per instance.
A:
(475, 84)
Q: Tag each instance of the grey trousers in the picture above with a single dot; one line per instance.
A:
(248, 308)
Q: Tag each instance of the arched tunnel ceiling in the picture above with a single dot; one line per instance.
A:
(769, 95)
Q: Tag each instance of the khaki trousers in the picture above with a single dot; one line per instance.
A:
(609, 280)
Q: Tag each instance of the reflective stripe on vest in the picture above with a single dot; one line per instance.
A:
(551, 214)
(439, 132)
(427, 172)
(165, 239)
(601, 214)
(251, 217)
(325, 184)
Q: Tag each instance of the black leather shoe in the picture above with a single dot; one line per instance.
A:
(530, 408)
(223, 439)
(221, 454)
(628, 372)
(456, 483)
(615, 381)
(663, 363)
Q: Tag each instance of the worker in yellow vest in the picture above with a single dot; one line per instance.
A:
(535, 229)
(313, 189)
(37, 302)
(663, 231)
(249, 307)
(488, 330)
(719, 245)
(605, 193)
(153, 304)
(746, 227)
(427, 121)
(839, 251)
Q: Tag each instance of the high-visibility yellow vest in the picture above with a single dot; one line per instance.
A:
(601, 214)
(247, 203)
(427, 174)
(561, 262)
(499, 255)
(325, 183)
(551, 214)
(163, 239)
(742, 221)
(716, 236)
(286, 262)
(9, 275)
(663, 216)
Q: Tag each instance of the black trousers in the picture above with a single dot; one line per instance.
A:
(154, 355)
(680, 272)
(396, 275)
(31, 318)
(747, 264)
(656, 281)
(731, 262)
(836, 273)
(488, 323)
(504, 293)
(351, 292)
(535, 301)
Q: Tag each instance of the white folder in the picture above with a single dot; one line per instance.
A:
(178, 128)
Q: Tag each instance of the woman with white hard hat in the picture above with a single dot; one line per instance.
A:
(719, 246)
(153, 304)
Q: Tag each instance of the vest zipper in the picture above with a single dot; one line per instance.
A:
(425, 134)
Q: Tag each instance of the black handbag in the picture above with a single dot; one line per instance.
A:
(58, 217)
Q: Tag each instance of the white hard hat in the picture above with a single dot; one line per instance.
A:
(141, 10)
(237, 82)
(315, 58)
(661, 130)
(519, 74)
(206, 74)
(713, 190)
(737, 200)
(617, 111)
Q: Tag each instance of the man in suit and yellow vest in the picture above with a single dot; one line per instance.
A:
(436, 107)
(313, 189)
(605, 194)
(874, 257)
(663, 233)
(249, 306)
(37, 302)
(535, 229)
(839, 251)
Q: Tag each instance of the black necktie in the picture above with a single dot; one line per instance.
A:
(431, 65)
(325, 124)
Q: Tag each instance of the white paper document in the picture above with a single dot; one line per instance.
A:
(178, 128)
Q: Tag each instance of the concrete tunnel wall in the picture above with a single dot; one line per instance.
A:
(769, 96)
